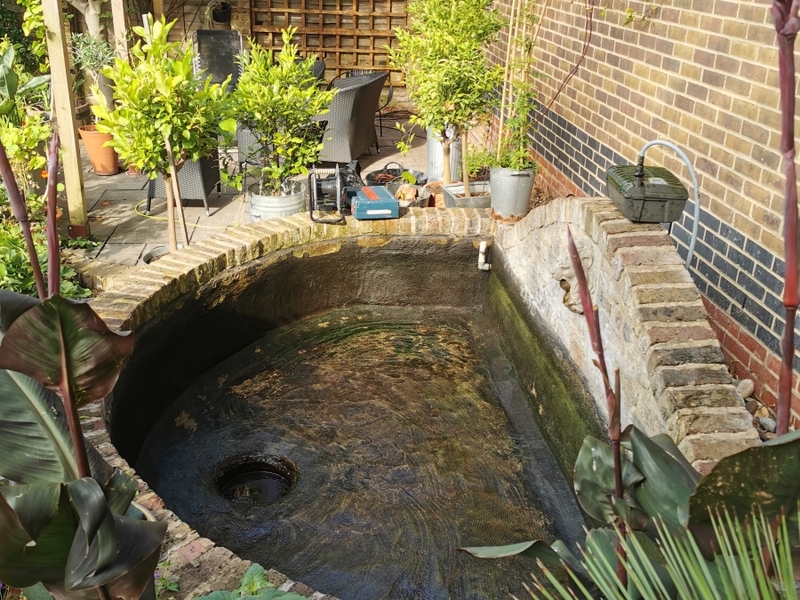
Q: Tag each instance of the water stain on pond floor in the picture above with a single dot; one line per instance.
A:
(394, 451)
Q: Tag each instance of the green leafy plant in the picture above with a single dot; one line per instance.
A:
(447, 73)
(253, 586)
(164, 583)
(91, 54)
(163, 113)
(12, 91)
(63, 528)
(24, 144)
(277, 99)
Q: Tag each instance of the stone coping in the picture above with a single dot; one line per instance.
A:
(196, 563)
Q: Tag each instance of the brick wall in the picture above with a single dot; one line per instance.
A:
(702, 74)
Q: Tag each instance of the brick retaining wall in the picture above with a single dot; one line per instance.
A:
(704, 76)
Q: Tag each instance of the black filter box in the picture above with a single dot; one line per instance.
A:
(657, 196)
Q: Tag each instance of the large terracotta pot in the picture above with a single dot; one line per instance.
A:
(104, 160)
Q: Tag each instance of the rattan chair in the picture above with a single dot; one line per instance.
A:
(195, 179)
(351, 118)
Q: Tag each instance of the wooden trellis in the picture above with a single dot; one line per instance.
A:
(346, 34)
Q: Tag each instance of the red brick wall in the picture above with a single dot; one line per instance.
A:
(702, 74)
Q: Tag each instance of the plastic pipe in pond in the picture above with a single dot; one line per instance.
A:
(483, 264)
(695, 189)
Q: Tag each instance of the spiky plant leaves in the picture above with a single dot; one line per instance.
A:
(593, 479)
(58, 341)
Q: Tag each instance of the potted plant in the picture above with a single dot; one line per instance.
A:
(217, 12)
(91, 54)
(277, 99)
(447, 73)
(63, 524)
(164, 114)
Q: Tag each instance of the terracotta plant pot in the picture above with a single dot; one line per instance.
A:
(104, 160)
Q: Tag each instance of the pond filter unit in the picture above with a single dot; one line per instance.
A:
(646, 194)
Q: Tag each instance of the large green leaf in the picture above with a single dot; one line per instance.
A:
(593, 478)
(138, 546)
(667, 483)
(95, 540)
(35, 445)
(33, 83)
(23, 560)
(8, 82)
(765, 478)
(119, 491)
(59, 339)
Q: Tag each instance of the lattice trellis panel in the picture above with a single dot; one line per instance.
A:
(346, 34)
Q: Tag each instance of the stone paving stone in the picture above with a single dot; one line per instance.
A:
(124, 254)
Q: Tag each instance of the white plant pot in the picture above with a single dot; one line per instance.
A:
(511, 191)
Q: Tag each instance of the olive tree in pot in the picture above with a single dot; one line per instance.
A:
(63, 524)
(277, 100)
(92, 54)
(163, 114)
(447, 73)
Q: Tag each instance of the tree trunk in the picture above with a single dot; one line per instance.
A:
(173, 240)
(446, 175)
(464, 170)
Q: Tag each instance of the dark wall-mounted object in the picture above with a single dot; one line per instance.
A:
(646, 194)
(222, 14)
(215, 54)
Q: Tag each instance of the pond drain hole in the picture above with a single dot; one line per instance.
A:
(256, 481)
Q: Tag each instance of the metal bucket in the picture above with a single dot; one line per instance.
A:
(511, 191)
(436, 160)
(267, 207)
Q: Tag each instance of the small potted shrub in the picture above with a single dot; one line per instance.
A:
(163, 114)
(277, 100)
(447, 73)
(92, 54)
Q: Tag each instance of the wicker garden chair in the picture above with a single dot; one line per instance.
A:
(351, 118)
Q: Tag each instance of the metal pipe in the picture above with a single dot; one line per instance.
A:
(695, 188)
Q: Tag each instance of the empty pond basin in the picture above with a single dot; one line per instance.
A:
(355, 451)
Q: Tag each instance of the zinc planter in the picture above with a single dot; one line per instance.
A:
(104, 160)
(454, 195)
(435, 160)
(511, 191)
(267, 207)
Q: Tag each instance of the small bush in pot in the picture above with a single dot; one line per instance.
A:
(277, 100)
(447, 73)
(163, 114)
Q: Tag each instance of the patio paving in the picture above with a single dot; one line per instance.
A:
(116, 207)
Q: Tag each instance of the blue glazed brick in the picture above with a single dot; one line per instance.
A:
(770, 282)
(717, 298)
(739, 259)
(733, 291)
(709, 220)
(744, 319)
(759, 312)
(750, 285)
(708, 272)
(725, 266)
(731, 235)
(768, 339)
(762, 255)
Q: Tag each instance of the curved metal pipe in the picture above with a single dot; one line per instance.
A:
(685, 159)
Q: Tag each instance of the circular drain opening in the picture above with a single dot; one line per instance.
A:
(256, 481)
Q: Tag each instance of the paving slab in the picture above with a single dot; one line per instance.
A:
(123, 254)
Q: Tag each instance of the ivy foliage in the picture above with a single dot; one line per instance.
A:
(160, 101)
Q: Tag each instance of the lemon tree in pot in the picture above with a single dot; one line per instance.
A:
(164, 114)
(277, 100)
(447, 73)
